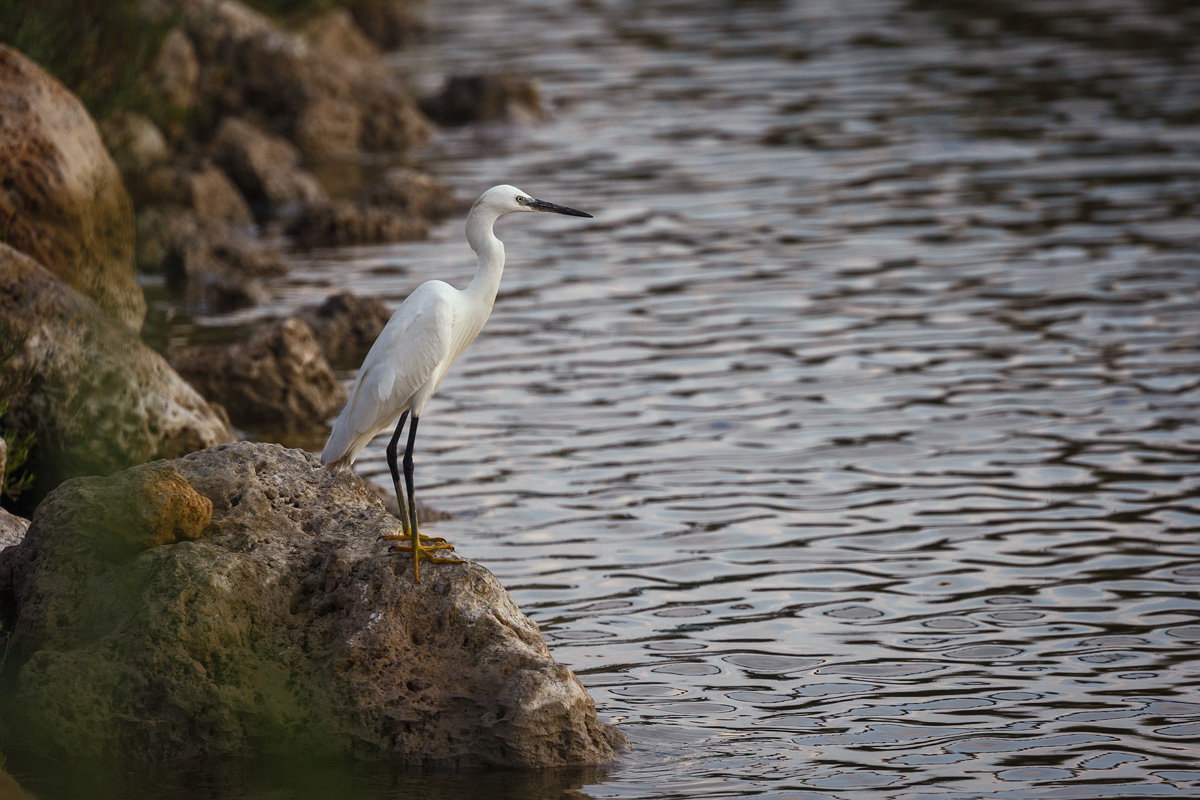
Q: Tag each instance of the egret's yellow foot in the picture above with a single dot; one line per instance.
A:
(420, 551)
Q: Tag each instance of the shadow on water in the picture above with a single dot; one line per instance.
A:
(282, 779)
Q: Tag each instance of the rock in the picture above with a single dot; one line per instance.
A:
(176, 72)
(278, 377)
(336, 35)
(390, 23)
(286, 628)
(63, 202)
(214, 266)
(392, 121)
(266, 168)
(485, 98)
(411, 192)
(346, 326)
(100, 400)
(329, 127)
(341, 222)
(327, 90)
(207, 190)
(135, 142)
(13, 528)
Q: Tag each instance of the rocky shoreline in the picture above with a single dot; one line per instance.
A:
(242, 109)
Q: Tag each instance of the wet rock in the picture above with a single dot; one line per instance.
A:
(279, 376)
(342, 222)
(266, 168)
(346, 326)
(100, 400)
(389, 23)
(485, 98)
(176, 73)
(135, 142)
(287, 627)
(412, 192)
(63, 202)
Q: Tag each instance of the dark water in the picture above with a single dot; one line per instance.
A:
(852, 450)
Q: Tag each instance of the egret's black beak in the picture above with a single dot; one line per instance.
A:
(542, 205)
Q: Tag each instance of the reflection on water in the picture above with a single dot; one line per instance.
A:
(854, 445)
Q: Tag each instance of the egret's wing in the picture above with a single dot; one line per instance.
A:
(403, 359)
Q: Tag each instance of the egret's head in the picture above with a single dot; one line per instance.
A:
(508, 199)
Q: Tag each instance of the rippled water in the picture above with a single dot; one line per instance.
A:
(852, 449)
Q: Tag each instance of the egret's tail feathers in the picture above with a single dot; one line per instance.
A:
(338, 465)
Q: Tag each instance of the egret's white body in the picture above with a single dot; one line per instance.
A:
(425, 336)
(409, 359)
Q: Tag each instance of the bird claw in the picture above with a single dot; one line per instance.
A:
(420, 551)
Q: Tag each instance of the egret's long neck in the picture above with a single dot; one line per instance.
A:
(490, 251)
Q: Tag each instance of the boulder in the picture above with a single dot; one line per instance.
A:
(278, 377)
(283, 626)
(485, 98)
(346, 326)
(265, 167)
(63, 202)
(100, 400)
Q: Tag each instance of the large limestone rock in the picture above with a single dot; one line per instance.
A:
(100, 400)
(281, 626)
(62, 200)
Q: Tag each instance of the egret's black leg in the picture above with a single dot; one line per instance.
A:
(419, 550)
(395, 468)
(408, 476)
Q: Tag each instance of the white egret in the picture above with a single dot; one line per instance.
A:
(406, 363)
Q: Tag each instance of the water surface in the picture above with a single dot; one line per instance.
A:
(852, 450)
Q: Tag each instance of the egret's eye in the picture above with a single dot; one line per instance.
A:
(522, 200)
